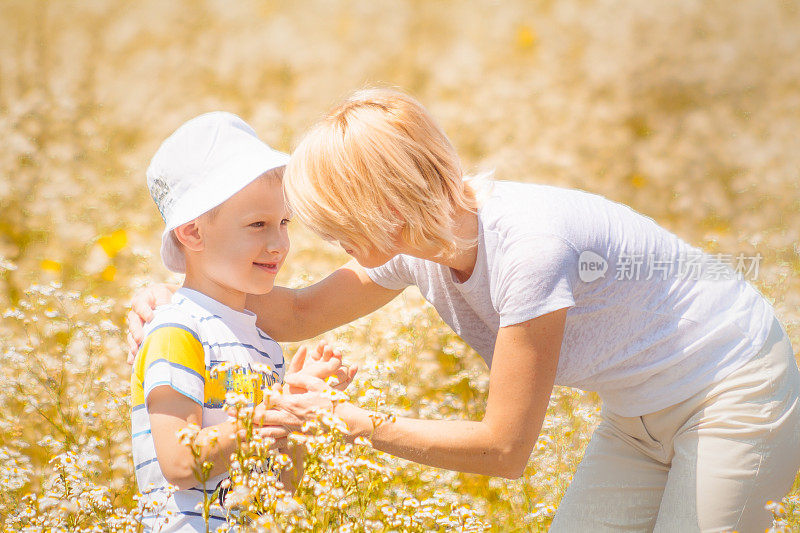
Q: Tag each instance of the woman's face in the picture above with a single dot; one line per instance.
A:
(369, 257)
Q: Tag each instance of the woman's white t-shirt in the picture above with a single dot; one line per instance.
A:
(651, 319)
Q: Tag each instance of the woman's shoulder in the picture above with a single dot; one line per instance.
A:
(525, 195)
(575, 215)
(515, 208)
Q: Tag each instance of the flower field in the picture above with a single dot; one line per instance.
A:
(688, 111)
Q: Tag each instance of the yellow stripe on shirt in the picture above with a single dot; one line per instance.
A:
(174, 343)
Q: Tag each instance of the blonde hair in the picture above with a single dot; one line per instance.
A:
(377, 164)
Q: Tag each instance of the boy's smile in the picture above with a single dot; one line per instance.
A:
(270, 267)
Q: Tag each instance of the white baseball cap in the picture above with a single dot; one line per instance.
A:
(203, 163)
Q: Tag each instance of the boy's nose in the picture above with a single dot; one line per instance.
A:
(277, 245)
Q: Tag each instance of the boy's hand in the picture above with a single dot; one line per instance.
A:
(277, 432)
(322, 362)
(143, 303)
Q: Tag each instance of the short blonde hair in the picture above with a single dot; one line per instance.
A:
(376, 164)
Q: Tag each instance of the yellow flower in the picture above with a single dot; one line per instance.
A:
(109, 273)
(526, 37)
(50, 266)
(638, 181)
(113, 242)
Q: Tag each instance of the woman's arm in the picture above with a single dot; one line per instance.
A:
(298, 314)
(521, 380)
(286, 314)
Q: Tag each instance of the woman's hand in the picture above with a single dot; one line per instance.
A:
(521, 379)
(296, 399)
(143, 303)
(286, 411)
(271, 422)
(292, 410)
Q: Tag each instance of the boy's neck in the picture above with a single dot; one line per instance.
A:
(225, 295)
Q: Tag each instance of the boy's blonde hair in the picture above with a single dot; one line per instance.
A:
(375, 165)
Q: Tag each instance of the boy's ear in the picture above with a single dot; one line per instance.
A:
(189, 235)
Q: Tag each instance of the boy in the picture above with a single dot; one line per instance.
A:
(218, 188)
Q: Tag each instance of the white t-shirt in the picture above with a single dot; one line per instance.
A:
(183, 343)
(660, 323)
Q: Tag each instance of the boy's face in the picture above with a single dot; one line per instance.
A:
(245, 243)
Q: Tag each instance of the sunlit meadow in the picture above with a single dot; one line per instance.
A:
(689, 111)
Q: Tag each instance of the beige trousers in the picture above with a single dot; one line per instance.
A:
(709, 463)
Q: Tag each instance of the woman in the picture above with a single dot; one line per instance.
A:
(699, 383)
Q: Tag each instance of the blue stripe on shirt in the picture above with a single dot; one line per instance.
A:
(145, 463)
(175, 325)
(176, 365)
(211, 516)
(228, 344)
(188, 513)
(266, 337)
(222, 405)
(211, 317)
(172, 386)
(198, 489)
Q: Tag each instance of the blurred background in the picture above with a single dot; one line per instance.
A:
(688, 111)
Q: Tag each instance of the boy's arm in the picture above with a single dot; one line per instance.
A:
(168, 375)
(170, 412)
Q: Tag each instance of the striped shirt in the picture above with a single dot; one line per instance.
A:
(182, 343)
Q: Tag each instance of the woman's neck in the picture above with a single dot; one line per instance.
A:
(462, 262)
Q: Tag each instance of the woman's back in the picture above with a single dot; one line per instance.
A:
(652, 320)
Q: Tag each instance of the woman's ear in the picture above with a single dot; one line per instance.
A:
(189, 235)
(401, 235)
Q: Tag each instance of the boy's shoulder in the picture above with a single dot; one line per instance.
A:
(175, 314)
(172, 351)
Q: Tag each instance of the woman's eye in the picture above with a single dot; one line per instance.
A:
(285, 222)
(259, 224)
